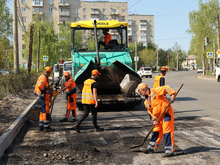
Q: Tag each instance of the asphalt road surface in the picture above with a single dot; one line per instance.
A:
(197, 132)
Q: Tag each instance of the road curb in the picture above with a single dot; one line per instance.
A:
(206, 78)
(8, 136)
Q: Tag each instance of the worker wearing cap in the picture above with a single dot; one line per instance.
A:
(160, 79)
(90, 100)
(43, 92)
(156, 103)
(70, 87)
(107, 39)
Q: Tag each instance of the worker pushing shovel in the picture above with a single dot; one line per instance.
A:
(162, 115)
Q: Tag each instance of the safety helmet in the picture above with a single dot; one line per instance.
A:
(66, 74)
(163, 68)
(142, 85)
(95, 71)
(48, 69)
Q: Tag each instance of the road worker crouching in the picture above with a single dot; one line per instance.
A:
(156, 103)
(70, 87)
(43, 92)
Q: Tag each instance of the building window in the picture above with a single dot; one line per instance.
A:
(76, 19)
(84, 10)
(24, 19)
(84, 17)
(104, 10)
(114, 37)
(50, 2)
(49, 19)
(23, 1)
(50, 10)
(123, 18)
(123, 10)
(63, 10)
(151, 33)
(135, 32)
(76, 2)
(24, 9)
(37, 10)
(76, 10)
(143, 27)
(135, 27)
(150, 27)
(24, 28)
(135, 38)
(22, 37)
(113, 10)
(150, 22)
(143, 37)
(143, 33)
(37, 2)
(114, 18)
(135, 21)
(23, 46)
(104, 17)
(23, 56)
(143, 21)
(63, 1)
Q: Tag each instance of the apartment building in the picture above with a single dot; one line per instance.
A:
(141, 27)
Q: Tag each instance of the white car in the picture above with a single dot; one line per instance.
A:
(145, 71)
(200, 70)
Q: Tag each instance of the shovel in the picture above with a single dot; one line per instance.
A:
(55, 93)
(157, 120)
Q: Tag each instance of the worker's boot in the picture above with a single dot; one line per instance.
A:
(64, 120)
(98, 129)
(73, 120)
(76, 127)
(168, 154)
(49, 129)
(149, 149)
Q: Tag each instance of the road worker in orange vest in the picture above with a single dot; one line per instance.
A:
(160, 79)
(70, 87)
(43, 92)
(156, 103)
(90, 101)
(107, 39)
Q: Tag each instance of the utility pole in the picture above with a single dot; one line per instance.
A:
(177, 62)
(203, 59)
(168, 61)
(135, 56)
(157, 60)
(30, 49)
(15, 38)
(38, 51)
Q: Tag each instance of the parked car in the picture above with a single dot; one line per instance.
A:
(200, 70)
(145, 71)
(4, 71)
(186, 69)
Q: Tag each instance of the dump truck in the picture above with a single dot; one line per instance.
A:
(118, 81)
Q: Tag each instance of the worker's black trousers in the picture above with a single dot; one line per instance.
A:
(87, 109)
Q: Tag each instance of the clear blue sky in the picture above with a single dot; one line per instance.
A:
(170, 19)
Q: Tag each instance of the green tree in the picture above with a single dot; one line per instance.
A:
(203, 24)
(5, 33)
(48, 41)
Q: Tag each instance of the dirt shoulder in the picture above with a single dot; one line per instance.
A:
(12, 106)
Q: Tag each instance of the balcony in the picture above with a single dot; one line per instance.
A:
(129, 28)
(143, 23)
(64, 13)
(143, 28)
(40, 13)
(64, 4)
(129, 34)
(114, 13)
(143, 39)
(95, 12)
(37, 4)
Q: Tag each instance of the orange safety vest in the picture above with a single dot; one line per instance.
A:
(157, 81)
(107, 38)
(87, 94)
(42, 84)
(157, 102)
(71, 85)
